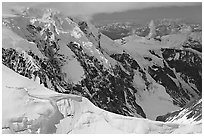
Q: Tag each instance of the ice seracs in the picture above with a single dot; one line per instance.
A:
(30, 108)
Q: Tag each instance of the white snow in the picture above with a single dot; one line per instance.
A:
(12, 40)
(28, 107)
(33, 20)
(182, 116)
(96, 53)
(141, 45)
(109, 45)
(30, 62)
(74, 71)
(155, 101)
(77, 33)
(152, 33)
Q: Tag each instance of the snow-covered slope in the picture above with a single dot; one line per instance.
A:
(31, 108)
(172, 59)
(69, 55)
(72, 62)
(191, 113)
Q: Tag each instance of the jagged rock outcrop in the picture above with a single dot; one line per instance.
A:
(180, 75)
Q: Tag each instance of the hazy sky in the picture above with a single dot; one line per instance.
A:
(107, 12)
(191, 14)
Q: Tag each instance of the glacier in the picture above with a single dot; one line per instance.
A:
(28, 107)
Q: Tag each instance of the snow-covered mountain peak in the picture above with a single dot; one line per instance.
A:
(70, 56)
(39, 13)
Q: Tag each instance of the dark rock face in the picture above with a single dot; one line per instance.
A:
(187, 63)
(181, 74)
(112, 92)
(10, 58)
(130, 65)
(47, 70)
(193, 44)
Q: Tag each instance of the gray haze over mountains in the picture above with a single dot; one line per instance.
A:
(191, 14)
(110, 12)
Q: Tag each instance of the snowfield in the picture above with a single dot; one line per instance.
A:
(28, 107)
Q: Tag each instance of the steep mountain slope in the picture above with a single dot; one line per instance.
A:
(170, 64)
(31, 108)
(71, 56)
(64, 48)
(188, 114)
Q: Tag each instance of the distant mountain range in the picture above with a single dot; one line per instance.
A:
(163, 27)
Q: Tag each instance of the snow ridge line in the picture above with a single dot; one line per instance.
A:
(56, 97)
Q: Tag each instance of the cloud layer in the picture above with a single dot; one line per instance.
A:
(91, 8)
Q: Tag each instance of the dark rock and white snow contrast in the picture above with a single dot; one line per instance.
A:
(62, 74)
